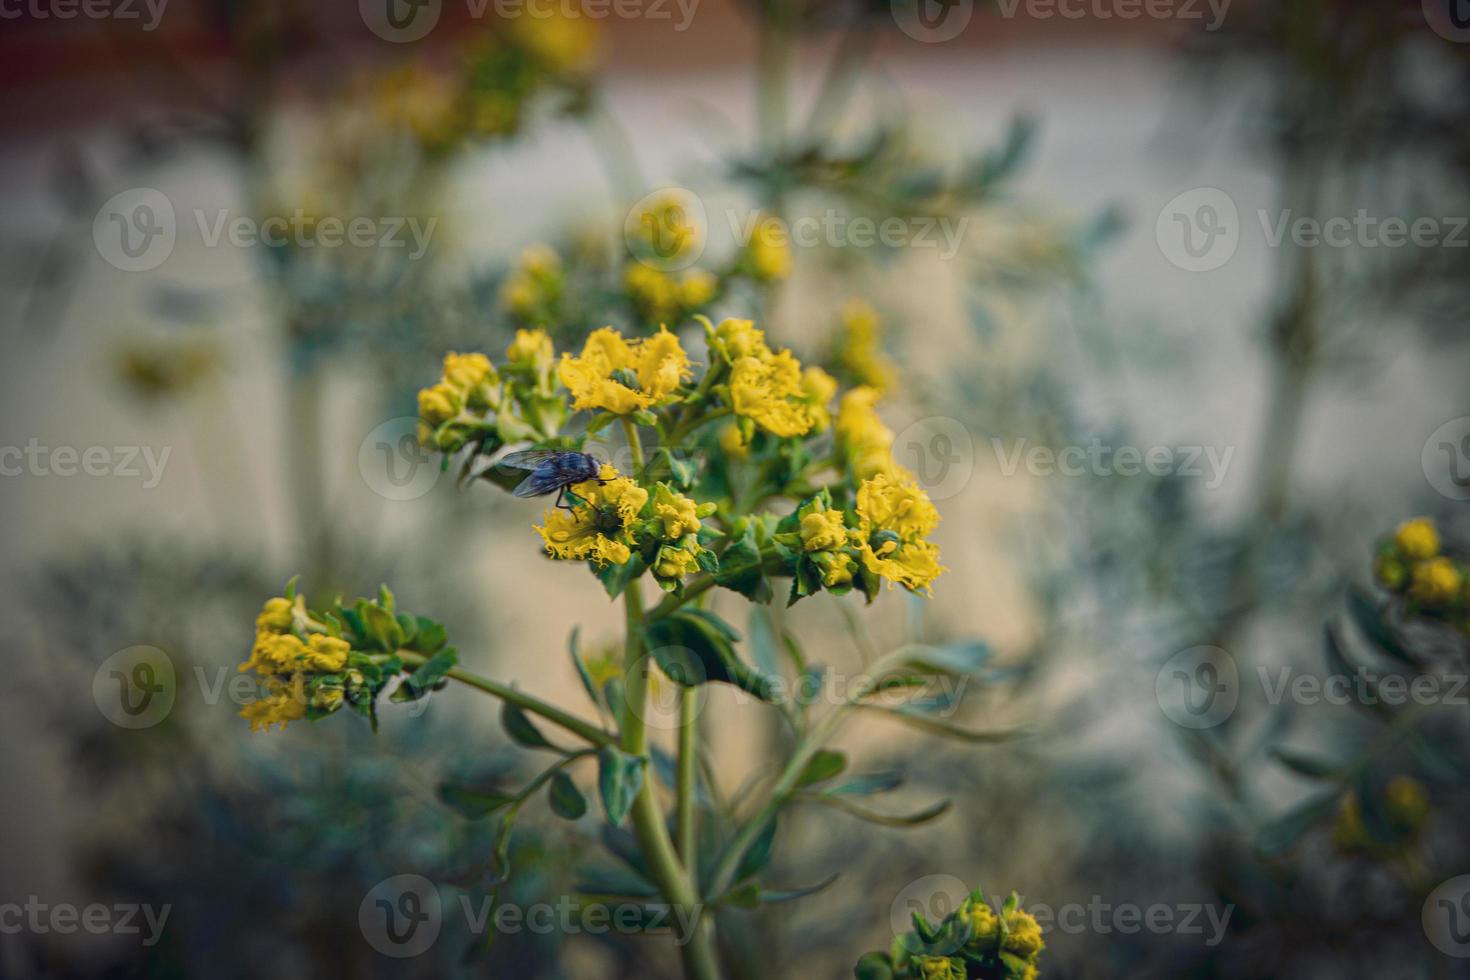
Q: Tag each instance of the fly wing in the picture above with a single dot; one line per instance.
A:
(529, 459)
(543, 479)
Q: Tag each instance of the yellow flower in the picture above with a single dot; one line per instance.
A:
(563, 44)
(1436, 582)
(940, 968)
(820, 388)
(893, 517)
(1023, 937)
(769, 392)
(466, 371)
(327, 698)
(654, 293)
(534, 285)
(325, 654)
(866, 444)
(732, 443)
(596, 529)
(822, 530)
(736, 339)
(1391, 573)
(675, 563)
(423, 100)
(540, 260)
(278, 616)
(769, 251)
(531, 349)
(1417, 539)
(860, 350)
(440, 403)
(984, 923)
(285, 702)
(663, 229)
(285, 653)
(1406, 803)
(680, 515)
(624, 376)
(837, 567)
(696, 288)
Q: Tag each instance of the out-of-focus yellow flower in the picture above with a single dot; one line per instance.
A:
(736, 339)
(820, 388)
(654, 293)
(769, 252)
(1436, 583)
(278, 615)
(563, 43)
(769, 392)
(860, 348)
(1417, 539)
(893, 518)
(531, 349)
(423, 100)
(663, 230)
(469, 374)
(623, 376)
(696, 288)
(1391, 572)
(1023, 935)
(595, 530)
(863, 441)
(732, 442)
(439, 403)
(1405, 808)
(533, 289)
(984, 923)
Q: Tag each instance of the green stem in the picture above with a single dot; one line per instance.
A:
(676, 885)
(520, 699)
(688, 760)
(635, 444)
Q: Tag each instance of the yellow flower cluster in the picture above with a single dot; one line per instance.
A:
(859, 352)
(284, 660)
(1405, 808)
(825, 537)
(662, 297)
(623, 376)
(468, 381)
(769, 387)
(893, 519)
(1411, 562)
(533, 290)
(1014, 931)
(864, 443)
(599, 528)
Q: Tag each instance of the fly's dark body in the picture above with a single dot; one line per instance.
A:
(552, 469)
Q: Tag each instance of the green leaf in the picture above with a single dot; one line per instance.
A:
(1305, 764)
(428, 637)
(599, 422)
(874, 966)
(741, 568)
(878, 782)
(521, 729)
(1370, 619)
(772, 897)
(763, 642)
(953, 658)
(824, 765)
(471, 802)
(615, 578)
(946, 729)
(691, 650)
(932, 812)
(567, 801)
(758, 855)
(423, 678)
(381, 629)
(619, 778)
(582, 673)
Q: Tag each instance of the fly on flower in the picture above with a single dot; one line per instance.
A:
(552, 469)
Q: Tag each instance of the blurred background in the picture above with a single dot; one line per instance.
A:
(1169, 314)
